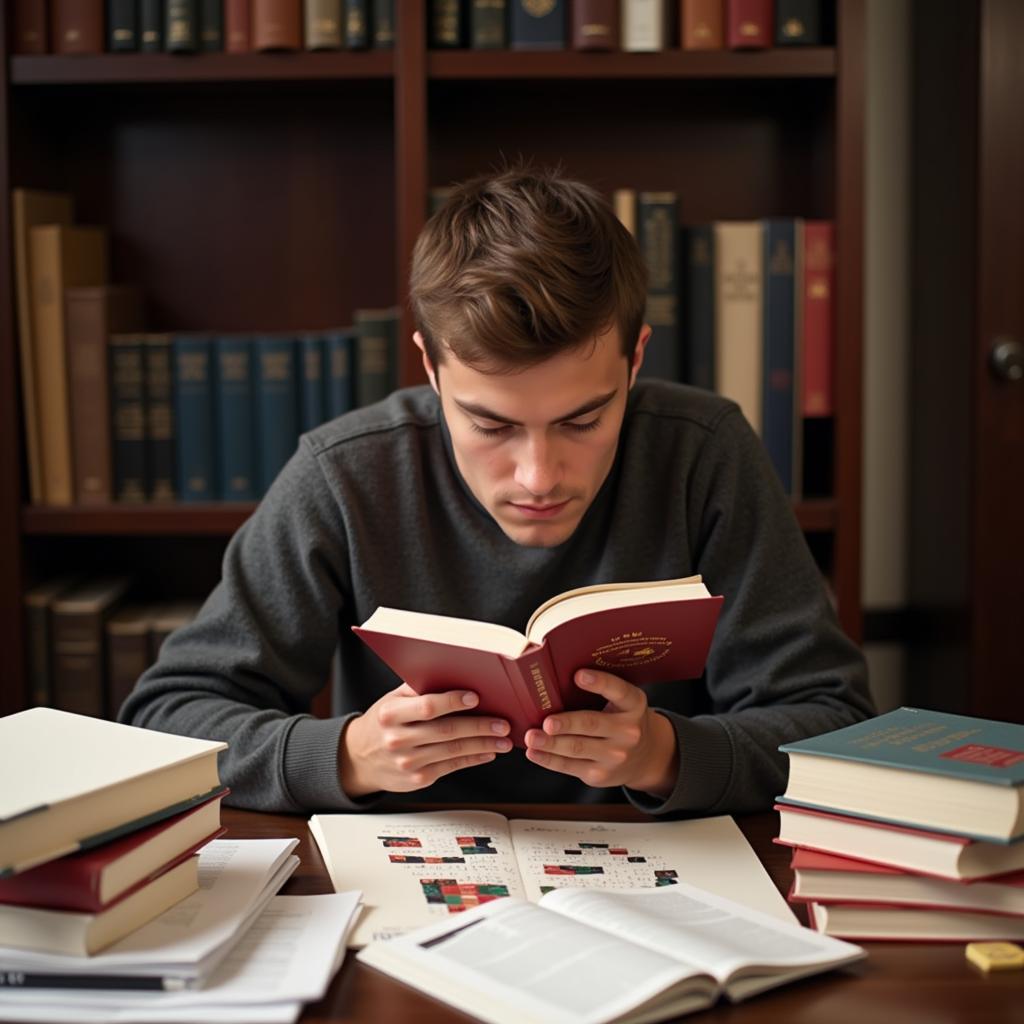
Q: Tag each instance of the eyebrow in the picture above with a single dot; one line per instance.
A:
(487, 414)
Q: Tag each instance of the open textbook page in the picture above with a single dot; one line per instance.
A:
(415, 868)
(591, 957)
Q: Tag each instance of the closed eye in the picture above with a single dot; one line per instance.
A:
(490, 431)
(583, 428)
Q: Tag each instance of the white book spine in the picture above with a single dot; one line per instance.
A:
(643, 25)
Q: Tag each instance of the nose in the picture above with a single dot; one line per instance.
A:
(538, 466)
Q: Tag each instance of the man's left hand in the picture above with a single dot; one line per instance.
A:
(625, 744)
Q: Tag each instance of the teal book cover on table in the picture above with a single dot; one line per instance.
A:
(913, 739)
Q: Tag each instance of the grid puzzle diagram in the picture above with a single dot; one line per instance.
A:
(458, 896)
(617, 854)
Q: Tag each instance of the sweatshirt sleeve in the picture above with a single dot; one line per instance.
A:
(246, 669)
(780, 667)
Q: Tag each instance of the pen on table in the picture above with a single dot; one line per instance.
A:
(136, 982)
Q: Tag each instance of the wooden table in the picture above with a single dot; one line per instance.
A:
(899, 983)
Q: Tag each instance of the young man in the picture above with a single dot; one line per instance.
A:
(535, 461)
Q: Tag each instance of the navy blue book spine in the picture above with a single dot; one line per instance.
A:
(340, 372)
(531, 31)
(160, 426)
(779, 333)
(128, 416)
(357, 24)
(657, 234)
(312, 392)
(699, 345)
(235, 417)
(194, 416)
(375, 361)
(277, 404)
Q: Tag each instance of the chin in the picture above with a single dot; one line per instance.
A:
(536, 535)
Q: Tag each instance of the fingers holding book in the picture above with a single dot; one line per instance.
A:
(406, 741)
(625, 744)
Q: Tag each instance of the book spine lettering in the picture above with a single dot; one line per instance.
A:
(658, 238)
(182, 26)
(237, 26)
(323, 24)
(193, 414)
(160, 427)
(277, 405)
(798, 23)
(151, 26)
(340, 376)
(383, 24)
(77, 26)
(233, 385)
(211, 26)
(750, 24)
(487, 28)
(357, 27)
(595, 25)
(122, 26)
(312, 391)
(446, 24)
(818, 312)
(703, 24)
(128, 417)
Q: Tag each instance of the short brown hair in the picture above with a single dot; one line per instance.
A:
(521, 265)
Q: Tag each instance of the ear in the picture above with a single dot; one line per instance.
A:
(638, 353)
(428, 366)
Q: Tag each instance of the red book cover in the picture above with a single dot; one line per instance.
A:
(749, 24)
(703, 24)
(94, 879)
(276, 24)
(237, 26)
(818, 317)
(77, 26)
(644, 633)
(30, 26)
(595, 25)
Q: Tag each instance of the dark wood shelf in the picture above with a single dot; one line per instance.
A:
(216, 519)
(812, 62)
(142, 68)
(221, 519)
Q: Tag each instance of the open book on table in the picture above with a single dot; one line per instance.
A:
(587, 957)
(415, 868)
(650, 632)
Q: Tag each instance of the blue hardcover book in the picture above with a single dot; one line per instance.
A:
(340, 370)
(534, 26)
(376, 337)
(312, 394)
(194, 416)
(928, 769)
(778, 310)
(276, 377)
(235, 417)
(699, 344)
(657, 234)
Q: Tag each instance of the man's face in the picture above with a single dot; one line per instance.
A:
(535, 446)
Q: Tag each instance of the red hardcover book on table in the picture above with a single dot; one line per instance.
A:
(818, 306)
(649, 632)
(750, 24)
(826, 878)
(92, 880)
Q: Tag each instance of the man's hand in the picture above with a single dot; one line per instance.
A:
(625, 744)
(406, 742)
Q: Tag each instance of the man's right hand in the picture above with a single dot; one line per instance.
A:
(406, 741)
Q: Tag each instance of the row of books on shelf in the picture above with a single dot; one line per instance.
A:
(909, 826)
(90, 638)
(201, 26)
(631, 26)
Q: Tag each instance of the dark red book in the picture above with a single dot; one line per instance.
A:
(30, 26)
(93, 879)
(818, 317)
(77, 26)
(749, 24)
(595, 25)
(276, 24)
(650, 632)
(237, 26)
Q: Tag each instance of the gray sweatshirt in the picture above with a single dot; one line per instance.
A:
(371, 510)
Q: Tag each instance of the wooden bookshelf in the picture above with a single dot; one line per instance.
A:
(292, 188)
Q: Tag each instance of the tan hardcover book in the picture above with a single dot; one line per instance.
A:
(128, 651)
(703, 24)
(29, 209)
(60, 257)
(276, 24)
(59, 796)
(323, 25)
(38, 603)
(738, 327)
(73, 933)
(92, 315)
(78, 643)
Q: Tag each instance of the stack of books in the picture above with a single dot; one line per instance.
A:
(909, 826)
(100, 825)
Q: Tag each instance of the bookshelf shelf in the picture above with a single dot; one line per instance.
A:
(813, 62)
(155, 68)
(222, 519)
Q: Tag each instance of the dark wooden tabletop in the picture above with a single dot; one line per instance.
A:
(899, 983)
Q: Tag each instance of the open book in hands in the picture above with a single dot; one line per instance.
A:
(587, 957)
(649, 632)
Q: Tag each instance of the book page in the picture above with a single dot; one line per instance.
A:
(603, 596)
(719, 936)
(414, 868)
(516, 962)
(447, 629)
(710, 853)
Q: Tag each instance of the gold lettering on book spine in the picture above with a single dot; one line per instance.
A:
(537, 677)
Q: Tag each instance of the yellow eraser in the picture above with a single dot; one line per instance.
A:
(995, 956)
